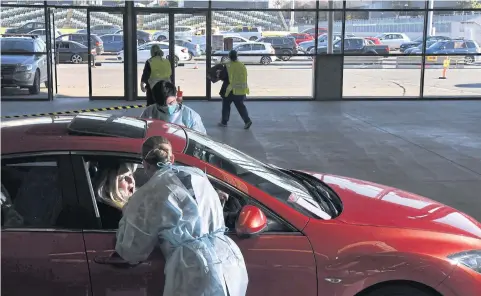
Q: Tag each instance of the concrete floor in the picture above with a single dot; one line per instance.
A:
(429, 148)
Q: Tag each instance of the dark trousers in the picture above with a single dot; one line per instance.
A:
(148, 94)
(238, 101)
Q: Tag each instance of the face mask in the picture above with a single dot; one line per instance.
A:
(171, 109)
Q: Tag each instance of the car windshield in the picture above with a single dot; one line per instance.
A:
(267, 178)
(17, 46)
(419, 39)
(437, 44)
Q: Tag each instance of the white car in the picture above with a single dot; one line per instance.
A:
(43, 35)
(393, 40)
(249, 53)
(143, 52)
(180, 32)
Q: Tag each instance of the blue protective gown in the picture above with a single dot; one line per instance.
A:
(184, 116)
(179, 210)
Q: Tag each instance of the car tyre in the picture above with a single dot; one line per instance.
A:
(35, 88)
(76, 59)
(399, 290)
(309, 49)
(266, 60)
(253, 38)
(469, 60)
(286, 55)
(191, 56)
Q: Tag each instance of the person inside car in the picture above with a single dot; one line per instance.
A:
(114, 186)
(179, 211)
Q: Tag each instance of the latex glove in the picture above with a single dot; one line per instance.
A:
(142, 87)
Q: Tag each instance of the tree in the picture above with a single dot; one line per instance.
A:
(475, 4)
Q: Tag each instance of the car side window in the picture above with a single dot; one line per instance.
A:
(32, 194)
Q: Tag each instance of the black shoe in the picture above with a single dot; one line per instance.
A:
(222, 124)
(248, 125)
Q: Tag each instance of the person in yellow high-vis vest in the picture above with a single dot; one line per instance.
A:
(156, 69)
(234, 89)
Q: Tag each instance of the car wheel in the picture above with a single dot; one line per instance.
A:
(399, 290)
(35, 88)
(191, 56)
(224, 59)
(469, 60)
(309, 49)
(76, 59)
(286, 55)
(253, 38)
(265, 60)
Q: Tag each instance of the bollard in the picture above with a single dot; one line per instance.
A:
(446, 64)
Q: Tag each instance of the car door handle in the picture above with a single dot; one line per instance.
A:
(114, 261)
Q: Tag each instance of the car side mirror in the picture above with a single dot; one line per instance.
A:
(251, 221)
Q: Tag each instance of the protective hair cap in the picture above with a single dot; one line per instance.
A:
(156, 51)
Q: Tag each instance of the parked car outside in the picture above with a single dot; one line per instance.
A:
(303, 233)
(307, 46)
(375, 40)
(418, 49)
(194, 49)
(142, 36)
(41, 33)
(249, 53)
(27, 27)
(143, 52)
(180, 32)
(23, 62)
(420, 40)
(356, 45)
(100, 30)
(312, 31)
(394, 40)
(301, 37)
(284, 46)
(72, 52)
(113, 42)
(248, 32)
(83, 39)
(469, 48)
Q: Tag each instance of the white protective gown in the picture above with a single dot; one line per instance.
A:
(184, 116)
(179, 210)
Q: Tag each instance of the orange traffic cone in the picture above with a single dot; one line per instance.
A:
(179, 95)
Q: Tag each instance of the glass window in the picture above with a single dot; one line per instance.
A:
(268, 179)
(258, 47)
(17, 45)
(31, 194)
(118, 38)
(245, 47)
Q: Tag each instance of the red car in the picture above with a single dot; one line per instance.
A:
(375, 40)
(301, 233)
(301, 37)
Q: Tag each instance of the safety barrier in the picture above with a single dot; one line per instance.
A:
(76, 111)
(436, 62)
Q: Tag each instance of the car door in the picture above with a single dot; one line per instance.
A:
(118, 43)
(43, 251)
(64, 51)
(143, 53)
(108, 279)
(242, 51)
(259, 50)
(108, 41)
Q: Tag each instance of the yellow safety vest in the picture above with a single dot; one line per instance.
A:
(159, 70)
(237, 79)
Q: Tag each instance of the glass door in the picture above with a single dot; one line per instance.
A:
(104, 52)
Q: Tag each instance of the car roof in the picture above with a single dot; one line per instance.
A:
(51, 133)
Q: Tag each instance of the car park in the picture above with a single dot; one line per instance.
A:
(249, 53)
(23, 62)
(72, 52)
(311, 234)
(143, 52)
(83, 39)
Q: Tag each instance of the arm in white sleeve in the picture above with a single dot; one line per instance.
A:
(196, 123)
(133, 244)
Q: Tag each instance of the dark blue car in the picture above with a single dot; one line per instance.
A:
(416, 42)
(468, 48)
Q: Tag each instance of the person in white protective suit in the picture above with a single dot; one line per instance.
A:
(168, 109)
(179, 210)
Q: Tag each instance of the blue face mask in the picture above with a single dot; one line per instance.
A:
(172, 108)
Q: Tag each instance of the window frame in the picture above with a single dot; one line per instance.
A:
(66, 181)
(81, 173)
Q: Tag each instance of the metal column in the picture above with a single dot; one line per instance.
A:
(330, 27)
(130, 51)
